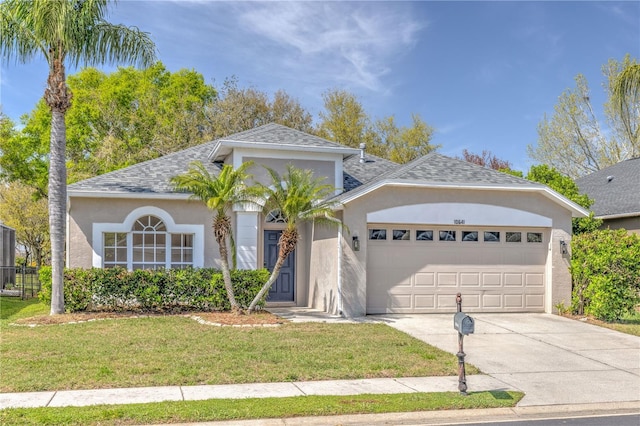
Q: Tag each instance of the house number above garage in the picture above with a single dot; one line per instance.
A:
(458, 221)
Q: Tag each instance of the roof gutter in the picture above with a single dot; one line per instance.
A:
(138, 195)
(618, 216)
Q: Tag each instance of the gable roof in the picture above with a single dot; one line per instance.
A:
(277, 137)
(615, 189)
(438, 171)
(152, 178)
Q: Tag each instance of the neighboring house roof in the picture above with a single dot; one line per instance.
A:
(436, 170)
(615, 189)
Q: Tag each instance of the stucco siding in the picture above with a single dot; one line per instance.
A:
(323, 270)
(631, 224)
(321, 169)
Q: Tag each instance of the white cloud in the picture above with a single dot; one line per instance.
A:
(355, 43)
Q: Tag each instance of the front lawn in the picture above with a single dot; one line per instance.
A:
(176, 350)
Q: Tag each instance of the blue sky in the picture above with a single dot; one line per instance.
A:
(482, 73)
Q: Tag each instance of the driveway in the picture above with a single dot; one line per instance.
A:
(554, 360)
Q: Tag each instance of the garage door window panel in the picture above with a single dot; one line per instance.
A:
(377, 234)
(468, 236)
(424, 235)
(447, 235)
(514, 237)
(534, 237)
(401, 235)
(491, 236)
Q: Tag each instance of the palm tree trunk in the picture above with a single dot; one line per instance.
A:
(272, 279)
(221, 230)
(286, 244)
(57, 209)
(226, 274)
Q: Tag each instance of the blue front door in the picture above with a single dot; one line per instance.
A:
(282, 289)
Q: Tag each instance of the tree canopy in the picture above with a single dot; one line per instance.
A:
(575, 142)
(345, 121)
(567, 187)
(238, 109)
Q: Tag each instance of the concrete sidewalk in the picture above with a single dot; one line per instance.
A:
(251, 390)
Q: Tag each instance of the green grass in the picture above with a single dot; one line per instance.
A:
(239, 409)
(175, 350)
(13, 308)
(629, 324)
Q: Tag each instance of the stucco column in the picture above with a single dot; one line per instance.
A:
(246, 236)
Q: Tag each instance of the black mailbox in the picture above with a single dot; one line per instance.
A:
(463, 323)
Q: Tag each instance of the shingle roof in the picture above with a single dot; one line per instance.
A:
(273, 133)
(435, 168)
(358, 173)
(152, 177)
(615, 190)
(149, 177)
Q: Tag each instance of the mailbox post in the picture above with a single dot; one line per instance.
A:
(465, 325)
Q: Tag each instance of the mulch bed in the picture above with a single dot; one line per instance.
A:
(260, 318)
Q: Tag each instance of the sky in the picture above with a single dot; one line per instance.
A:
(482, 73)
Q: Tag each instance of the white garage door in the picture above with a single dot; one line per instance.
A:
(419, 269)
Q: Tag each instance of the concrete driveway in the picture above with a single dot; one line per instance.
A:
(554, 360)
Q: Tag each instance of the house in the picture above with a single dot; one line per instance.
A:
(414, 235)
(615, 191)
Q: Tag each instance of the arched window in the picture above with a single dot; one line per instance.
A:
(148, 244)
(275, 216)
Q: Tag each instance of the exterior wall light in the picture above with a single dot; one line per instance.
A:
(563, 247)
(356, 243)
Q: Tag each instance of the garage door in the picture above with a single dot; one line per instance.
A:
(420, 269)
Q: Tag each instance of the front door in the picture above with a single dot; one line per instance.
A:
(282, 289)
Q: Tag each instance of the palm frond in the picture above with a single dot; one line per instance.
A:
(627, 86)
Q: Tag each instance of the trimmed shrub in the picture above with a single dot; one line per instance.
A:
(605, 267)
(174, 290)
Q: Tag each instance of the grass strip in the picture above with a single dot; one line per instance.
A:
(254, 408)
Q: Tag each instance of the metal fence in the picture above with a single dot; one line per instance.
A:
(19, 281)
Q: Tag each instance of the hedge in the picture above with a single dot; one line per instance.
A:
(171, 290)
(605, 266)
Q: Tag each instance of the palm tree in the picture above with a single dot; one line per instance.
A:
(626, 99)
(627, 85)
(65, 31)
(299, 197)
(220, 193)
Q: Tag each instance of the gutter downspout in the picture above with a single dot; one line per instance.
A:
(340, 226)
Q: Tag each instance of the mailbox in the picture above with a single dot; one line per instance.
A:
(463, 323)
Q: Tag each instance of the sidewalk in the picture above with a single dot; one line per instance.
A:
(80, 398)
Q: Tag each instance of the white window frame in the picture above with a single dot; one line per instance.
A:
(126, 226)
